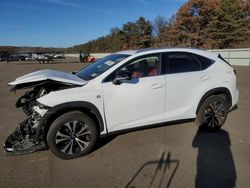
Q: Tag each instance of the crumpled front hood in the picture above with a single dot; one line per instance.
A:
(48, 75)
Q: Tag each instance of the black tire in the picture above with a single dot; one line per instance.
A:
(212, 113)
(65, 138)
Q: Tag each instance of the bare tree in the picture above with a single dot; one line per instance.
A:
(159, 25)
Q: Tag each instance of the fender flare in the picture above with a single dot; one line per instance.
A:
(216, 91)
(60, 109)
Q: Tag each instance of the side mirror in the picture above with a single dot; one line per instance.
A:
(122, 76)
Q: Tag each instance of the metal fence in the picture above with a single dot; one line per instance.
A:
(239, 57)
(235, 56)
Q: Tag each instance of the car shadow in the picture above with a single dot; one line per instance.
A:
(158, 173)
(103, 141)
(215, 164)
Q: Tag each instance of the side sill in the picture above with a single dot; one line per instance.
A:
(169, 123)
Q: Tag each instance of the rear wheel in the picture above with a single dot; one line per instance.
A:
(71, 135)
(212, 113)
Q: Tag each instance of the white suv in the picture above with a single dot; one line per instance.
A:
(68, 112)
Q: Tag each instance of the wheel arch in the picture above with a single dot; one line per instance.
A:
(56, 111)
(221, 91)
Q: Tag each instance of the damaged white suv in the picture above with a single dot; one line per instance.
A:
(68, 112)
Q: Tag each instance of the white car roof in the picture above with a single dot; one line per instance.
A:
(127, 52)
(160, 50)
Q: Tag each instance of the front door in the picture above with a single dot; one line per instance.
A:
(137, 102)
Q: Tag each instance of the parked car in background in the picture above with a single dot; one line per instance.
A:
(59, 56)
(123, 91)
(13, 57)
(4, 57)
(18, 57)
(30, 57)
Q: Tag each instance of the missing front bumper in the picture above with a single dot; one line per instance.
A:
(23, 140)
(16, 144)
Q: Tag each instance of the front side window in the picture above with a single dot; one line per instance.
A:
(144, 66)
(180, 62)
(92, 71)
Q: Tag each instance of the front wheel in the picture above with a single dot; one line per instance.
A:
(71, 135)
(212, 113)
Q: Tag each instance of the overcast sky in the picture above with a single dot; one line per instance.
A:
(64, 23)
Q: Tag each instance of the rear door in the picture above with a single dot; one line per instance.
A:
(183, 79)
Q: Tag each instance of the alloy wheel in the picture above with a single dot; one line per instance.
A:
(73, 137)
(215, 114)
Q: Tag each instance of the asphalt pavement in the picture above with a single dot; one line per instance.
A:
(168, 156)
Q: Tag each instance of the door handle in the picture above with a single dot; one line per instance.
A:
(205, 77)
(157, 85)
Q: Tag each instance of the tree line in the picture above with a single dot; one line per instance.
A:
(132, 35)
(206, 24)
(201, 24)
(209, 24)
(198, 23)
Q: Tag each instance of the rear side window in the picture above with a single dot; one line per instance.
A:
(180, 62)
(205, 62)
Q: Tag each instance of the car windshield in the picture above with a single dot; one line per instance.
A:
(92, 71)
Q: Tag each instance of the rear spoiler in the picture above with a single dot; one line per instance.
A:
(219, 56)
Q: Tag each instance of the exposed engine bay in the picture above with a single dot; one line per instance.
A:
(29, 136)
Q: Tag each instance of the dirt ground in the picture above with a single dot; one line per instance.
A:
(168, 156)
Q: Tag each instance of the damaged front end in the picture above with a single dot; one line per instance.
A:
(25, 139)
(29, 136)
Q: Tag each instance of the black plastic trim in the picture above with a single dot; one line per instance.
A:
(151, 126)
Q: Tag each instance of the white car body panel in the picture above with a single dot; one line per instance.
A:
(88, 93)
(180, 94)
(135, 103)
(49, 75)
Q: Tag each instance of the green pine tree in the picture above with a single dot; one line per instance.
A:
(229, 24)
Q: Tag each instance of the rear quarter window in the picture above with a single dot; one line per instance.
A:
(205, 62)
